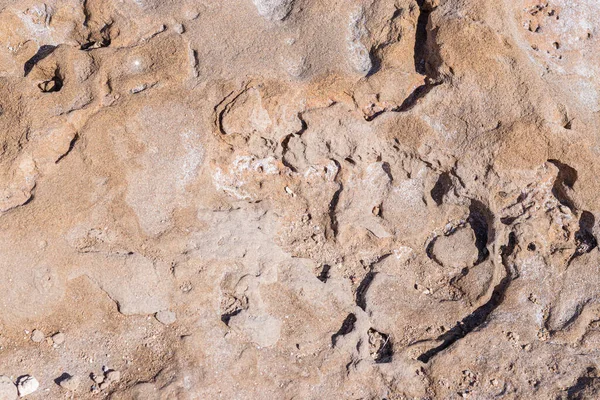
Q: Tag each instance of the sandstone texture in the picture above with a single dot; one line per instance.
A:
(299, 199)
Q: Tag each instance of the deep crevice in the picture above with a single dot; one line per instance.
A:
(420, 49)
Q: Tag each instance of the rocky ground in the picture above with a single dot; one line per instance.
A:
(299, 199)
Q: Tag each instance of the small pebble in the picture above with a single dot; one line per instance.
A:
(113, 376)
(190, 13)
(70, 383)
(179, 28)
(26, 385)
(166, 317)
(37, 336)
(58, 338)
(8, 390)
(97, 378)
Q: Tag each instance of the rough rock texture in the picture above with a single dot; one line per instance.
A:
(300, 199)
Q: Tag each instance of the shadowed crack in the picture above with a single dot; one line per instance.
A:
(42, 53)
(346, 328)
(333, 205)
(441, 188)
(421, 37)
(416, 95)
(362, 290)
(480, 218)
(71, 146)
(227, 316)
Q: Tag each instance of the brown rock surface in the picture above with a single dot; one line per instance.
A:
(300, 199)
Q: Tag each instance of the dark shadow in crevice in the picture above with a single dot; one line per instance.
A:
(415, 96)
(346, 328)
(64, 377)
(361, 291)
(375, 64)
(408, 103)
(429, 251)
(52, 85)
(481, 220)
(104, 40)
(566, 178)
(420, 49)
(43, 52)
(227, 316)
(385, 353)
(584, 237)
(441, 188)
(332, 206)
(71, 146)
(324, 274)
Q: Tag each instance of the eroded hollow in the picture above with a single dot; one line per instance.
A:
(52, 85)
(380, 346)
(441, 188)
(324, 274)
(584, 237)
(566, 178)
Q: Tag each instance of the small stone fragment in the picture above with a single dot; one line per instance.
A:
(58, 338)
(70, 383)
(113, 376)
(37, 336)
(97, 378)
(26, 385)
(166, 317)
(274, 10)
(8, 390)
(358, 53)
(295, 65)
(190, 13)
(457, 250)
(179, 28)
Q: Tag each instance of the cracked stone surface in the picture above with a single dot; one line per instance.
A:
(300, 199)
